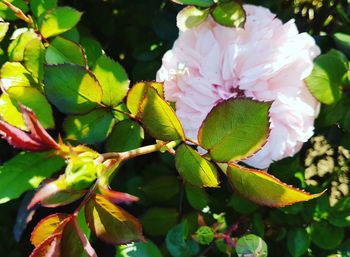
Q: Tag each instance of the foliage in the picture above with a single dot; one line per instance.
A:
(55, 75)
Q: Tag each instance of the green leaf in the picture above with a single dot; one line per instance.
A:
(241, 205)
(91, 128)
(25, 171)
(137, 92)
(10, 112)
(17, 46)
(197, 197)
(34, 57)
(342, 41)
(38, 7)
(161, 189)
(262, 188)
(200, 3)
(177, 243)
(93, 49)
(72, 35)
(251, 245)
(139, 249)
(194, 168)
(340, 213)
(113, 80)
(4, 27)
(9, 15)
(126, 135)
(191, 17)
(230, 14)
(36, 101)
(58, 20)
(298, 242)
(159, 118)
(235, 129)
(111, 223)
(326, 78)
(13, 74)
(158, 221)
(71, 88)
(63, 50)
(326, 236)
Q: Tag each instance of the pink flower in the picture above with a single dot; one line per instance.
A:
(267, 60)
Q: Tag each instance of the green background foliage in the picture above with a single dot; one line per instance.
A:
(136, 34)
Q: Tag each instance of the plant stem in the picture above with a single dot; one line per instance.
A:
(87, 197)
(19, 13)
(139, 151)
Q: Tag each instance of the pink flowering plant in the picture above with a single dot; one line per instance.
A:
(238, 91)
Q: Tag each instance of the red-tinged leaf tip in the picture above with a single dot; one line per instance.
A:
(117, 197)
(19, 139)
(111, 223)
(46, 227)
(37, 131)
(263, 188)
(49, 248)
(43, 193)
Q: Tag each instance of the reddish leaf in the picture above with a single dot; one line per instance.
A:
(18, 138)
(74, 242)
(49, 248)
(67, 239)
(37, 140)
(46, 227)
(262, 188)
(37, 131)
(55, 194)
(117, 197)
(111, 223)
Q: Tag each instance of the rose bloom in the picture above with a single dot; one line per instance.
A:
(266, 61)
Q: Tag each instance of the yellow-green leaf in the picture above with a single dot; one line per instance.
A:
(159, 118)
(235, 129)
(195, 169)
(137, 92)
(262, 188)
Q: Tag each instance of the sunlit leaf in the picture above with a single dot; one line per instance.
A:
(230, 14)
(36, 101)
(71, 88)
(326, 78)
(90, 128)
(235, 129)
(19, 174)
(194, 168)
(137, 92)
(46, 227)
(111, 223)
(58, 20)
(4, 26)
(13, 74)
(62, 50)
(113, 80)
(17, 46)
(191, 17)
(10, 112)
(33, 58)
(262, 188)
(251, 245)
(38, 7)
(159, 118)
